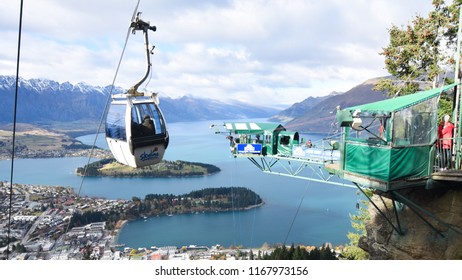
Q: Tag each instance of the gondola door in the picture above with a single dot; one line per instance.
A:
(149, 137)
(117, 135)
(136, 132)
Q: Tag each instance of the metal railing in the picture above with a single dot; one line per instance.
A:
(447, 154)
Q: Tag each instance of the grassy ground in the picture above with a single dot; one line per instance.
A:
(166, 168)
(45, 140)
(37, 139)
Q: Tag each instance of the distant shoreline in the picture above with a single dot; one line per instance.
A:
(30, 154)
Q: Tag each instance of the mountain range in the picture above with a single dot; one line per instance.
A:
(317, 115)
(42, 101)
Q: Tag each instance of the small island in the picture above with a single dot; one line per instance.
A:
(110, 167)
(220, 199)
(206, 200)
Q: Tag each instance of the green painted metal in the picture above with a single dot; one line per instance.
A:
(457, 116)
(265, 134)
(401, 102)
(400, 148)
(397, 152)
(286, 142)
(387, 163)
(252, 127)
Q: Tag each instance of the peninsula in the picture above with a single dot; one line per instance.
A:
(53, 222)
(110, 167)
(55, 141)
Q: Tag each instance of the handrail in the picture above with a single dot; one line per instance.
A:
(447, 153)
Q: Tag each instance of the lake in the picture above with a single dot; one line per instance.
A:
(295, 211)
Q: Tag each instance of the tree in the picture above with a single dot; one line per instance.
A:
(315, 254)
(251, 255)
(326, 253)
(422, 50)
(299, 253)
(20, 248)
(358, 222)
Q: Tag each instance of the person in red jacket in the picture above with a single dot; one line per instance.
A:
(439, 143)
(446, 135)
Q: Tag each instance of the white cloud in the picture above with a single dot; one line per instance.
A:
(275, 51)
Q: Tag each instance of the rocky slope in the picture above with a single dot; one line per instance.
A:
(419, 240)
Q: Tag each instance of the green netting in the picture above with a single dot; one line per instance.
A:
(386, 163)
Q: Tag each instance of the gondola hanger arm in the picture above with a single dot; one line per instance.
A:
(139, 24)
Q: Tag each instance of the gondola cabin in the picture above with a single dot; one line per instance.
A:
(390, 144)
(136, 131)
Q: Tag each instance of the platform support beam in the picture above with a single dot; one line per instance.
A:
(295, 171)
(397, 229)
(416, 208)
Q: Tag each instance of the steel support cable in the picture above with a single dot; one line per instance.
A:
(254, 217)
(261, 167)
(14, 131)
(104, 110)
(296, 214)
(232, 201)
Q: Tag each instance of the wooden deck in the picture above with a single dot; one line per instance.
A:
(447, 175)
(438, 179)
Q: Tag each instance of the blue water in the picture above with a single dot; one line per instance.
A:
(295, 211)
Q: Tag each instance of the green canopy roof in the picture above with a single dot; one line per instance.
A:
(401, 102)
(252, 127)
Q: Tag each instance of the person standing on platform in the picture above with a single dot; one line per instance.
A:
(447, 133)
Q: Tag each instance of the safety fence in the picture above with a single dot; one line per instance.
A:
(447, 155)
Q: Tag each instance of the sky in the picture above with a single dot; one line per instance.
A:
(264, 52)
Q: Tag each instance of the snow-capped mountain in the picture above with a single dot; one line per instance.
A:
(50, 86)
(43, 100)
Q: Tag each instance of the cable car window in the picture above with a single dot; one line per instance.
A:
(142, 124)
(147, 120)
(416, 124)
(285, 140)
(158, 120)
(296, 138)
(136, 123)
(115, 122)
